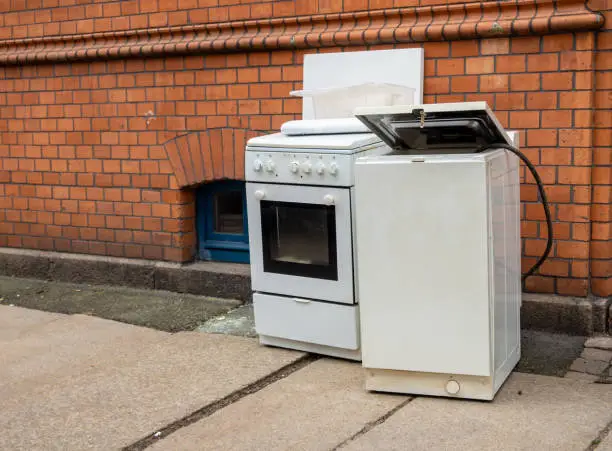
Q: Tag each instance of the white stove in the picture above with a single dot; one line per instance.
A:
(301, 225)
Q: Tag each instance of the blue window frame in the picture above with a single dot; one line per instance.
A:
(222, 222)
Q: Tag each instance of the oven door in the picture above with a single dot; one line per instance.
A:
(300, 241)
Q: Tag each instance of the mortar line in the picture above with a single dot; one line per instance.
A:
(215, 406)
(372, 424)
(600, 437)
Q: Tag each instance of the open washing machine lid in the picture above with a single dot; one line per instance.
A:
(438, 128)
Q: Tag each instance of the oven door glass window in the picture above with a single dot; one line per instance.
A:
(299, 239)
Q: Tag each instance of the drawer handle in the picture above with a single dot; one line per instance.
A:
(301, 301)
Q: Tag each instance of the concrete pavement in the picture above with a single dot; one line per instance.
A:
(317, 407)
(529, 413)
(78, 382)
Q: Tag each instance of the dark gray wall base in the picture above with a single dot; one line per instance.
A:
(231, 281)
(570, 315)
(575, 316)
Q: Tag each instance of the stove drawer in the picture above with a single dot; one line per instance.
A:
(308, 321)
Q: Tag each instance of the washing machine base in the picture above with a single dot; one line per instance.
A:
(438, 384)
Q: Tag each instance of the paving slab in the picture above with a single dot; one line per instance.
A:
(606, 443)
(64, 346)
(15, 321)
(599, 343)
(596, 354)
(595, 367)
(578, 376)
(530, 412)
(133, 390)
(314, 408)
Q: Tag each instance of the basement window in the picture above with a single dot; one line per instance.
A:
(222, 222)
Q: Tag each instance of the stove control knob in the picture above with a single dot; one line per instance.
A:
(328, 199)
(259, 194)
(257, 165)
(333, 168)
(306, 167)
(294, 166)
(320, 168)
(270, 166)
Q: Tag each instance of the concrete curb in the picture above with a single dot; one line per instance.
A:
(570, 315)
(201, 278)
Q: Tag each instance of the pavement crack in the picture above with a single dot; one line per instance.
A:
(372, 424)
(215, 406)
(600, 437)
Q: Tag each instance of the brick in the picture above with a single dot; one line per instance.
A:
(524, 119)
(542, 101)
(464, 84)
(573, 213)
(534, 247)
(556, 119)
(436, 85)
(575, 137)
(572, 249)
(441, 49)
(572, 287)
(574, 175)
(525, 82)
(576, 99)
(558, 81)
(509, 101)
(581, 231)
(542, 137)
(494, 83)
(554, 267)
(602, 176)
(599, 249)
(572, 60)
(543, 62)
(556, 194)
(555, 43)
(510, 63)
(480, 65)
(494, 46)
(451, 66)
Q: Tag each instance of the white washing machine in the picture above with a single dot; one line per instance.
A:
(438, 251)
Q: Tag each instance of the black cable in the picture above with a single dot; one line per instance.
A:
(543, 199)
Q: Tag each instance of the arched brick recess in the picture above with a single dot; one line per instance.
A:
(209, 155)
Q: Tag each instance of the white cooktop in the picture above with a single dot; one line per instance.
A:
(324, 127)
(346, 143)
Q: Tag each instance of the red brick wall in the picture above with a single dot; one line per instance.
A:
(601, 236)
(91, 151)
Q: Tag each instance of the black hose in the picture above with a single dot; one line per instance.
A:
(543, 199)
